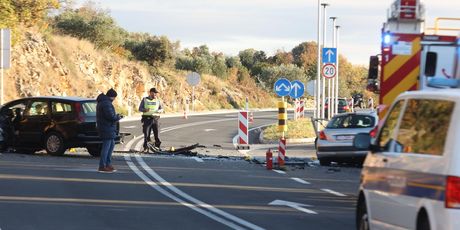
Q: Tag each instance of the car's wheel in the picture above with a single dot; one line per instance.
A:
(54, 144)
(362, 218)
(422, 222)
(94, 150)
(324, 162)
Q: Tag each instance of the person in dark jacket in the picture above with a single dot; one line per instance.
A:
(106, 122)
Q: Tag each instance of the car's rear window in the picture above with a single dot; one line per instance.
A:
(351, 121)
(89, 108)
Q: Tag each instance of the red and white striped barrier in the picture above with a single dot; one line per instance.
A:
(281, 152)
(299, 109)
(243, 128)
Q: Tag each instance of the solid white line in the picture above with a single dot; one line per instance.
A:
(177, 199)
(278, 171)
(300, 180)
(198, 159)
(192, 199)
(333, 192)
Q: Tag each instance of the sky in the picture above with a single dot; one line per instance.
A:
(230, 26)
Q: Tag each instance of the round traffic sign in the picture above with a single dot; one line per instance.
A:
(329, 71)
(193, 79)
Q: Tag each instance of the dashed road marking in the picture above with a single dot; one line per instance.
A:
(333, 192)
(198, 159)
(300, 180)
(279, 171)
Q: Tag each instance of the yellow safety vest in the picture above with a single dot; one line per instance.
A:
(152, 104)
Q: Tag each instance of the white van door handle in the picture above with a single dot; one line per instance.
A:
(385, 160)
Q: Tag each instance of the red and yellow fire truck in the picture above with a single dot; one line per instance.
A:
(413, 56)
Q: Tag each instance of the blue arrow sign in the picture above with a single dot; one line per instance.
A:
(297, 89)
(329, 55)
(282, 87)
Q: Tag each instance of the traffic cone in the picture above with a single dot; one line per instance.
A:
(269, 159)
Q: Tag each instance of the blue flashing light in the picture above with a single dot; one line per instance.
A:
(386, 39)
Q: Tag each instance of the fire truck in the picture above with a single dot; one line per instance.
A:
(413, 56)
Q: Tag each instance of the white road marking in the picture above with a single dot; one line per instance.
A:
(279, 171)
(300, 180)
(198, 159)
(130, 127)
(192, 199)
(333, 192)
(209, 130)
(294, 205)
(175, 198)
(141, 137)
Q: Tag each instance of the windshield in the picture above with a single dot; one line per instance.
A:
(351, 121)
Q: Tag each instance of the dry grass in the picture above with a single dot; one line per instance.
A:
(301, 128)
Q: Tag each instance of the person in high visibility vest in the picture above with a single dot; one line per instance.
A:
(151, 108)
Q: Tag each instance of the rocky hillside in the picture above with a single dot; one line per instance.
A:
(66, 66)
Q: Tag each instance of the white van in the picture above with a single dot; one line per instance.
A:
(411, 176)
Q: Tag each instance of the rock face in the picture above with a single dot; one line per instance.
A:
(65, 66)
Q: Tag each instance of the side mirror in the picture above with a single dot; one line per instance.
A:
(373, 67)
(430, 64)
(362, 141)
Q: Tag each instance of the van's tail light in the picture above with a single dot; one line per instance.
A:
(374, 131)
(79, 112)
(453, 192)
(322, 135)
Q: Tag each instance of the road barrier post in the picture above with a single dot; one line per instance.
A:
(243, 130)
(281, 152)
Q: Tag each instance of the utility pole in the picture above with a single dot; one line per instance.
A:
(318, 65)
(337, 75)
(323, 79)
(333, 106)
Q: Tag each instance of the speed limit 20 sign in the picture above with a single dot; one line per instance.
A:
(329, 70)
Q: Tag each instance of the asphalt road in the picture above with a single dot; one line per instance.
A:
(174, 192)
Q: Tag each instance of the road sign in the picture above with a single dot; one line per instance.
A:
(330, 55)
(297, 89)
(329, 71)
(282, 87)
(193, 79)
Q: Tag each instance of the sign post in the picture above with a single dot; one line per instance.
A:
(193, 79)
(329, 56)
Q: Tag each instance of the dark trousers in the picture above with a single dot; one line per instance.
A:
(150, 124)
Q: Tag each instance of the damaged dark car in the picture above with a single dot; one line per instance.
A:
(53, 123)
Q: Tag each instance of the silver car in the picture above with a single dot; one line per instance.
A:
(335, 141)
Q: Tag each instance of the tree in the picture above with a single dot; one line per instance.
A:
(247, 58)
(219, 68)
(32, 12)
(93, 24)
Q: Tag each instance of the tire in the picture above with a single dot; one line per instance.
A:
(362, 218)
(422, 222)
(324, 162)
(54, 144)
(94, 150)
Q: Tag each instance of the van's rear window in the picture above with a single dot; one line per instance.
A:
(89, 108)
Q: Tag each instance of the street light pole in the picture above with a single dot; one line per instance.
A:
(318, 67)
(337, 74)
(334, 105)
(323, 88)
